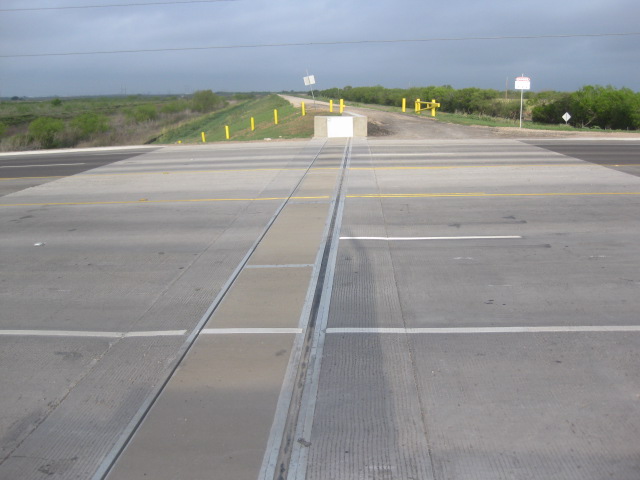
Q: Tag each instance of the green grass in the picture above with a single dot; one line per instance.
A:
(484, 120)
(291, 124)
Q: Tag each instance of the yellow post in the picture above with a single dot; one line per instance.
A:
(303, 110)
(253, 124)
(404, 105)
(341, 105)
(275, 116)
(204, 139)
(226, 131)
(417, 105)
(434, 105)
(331, 106)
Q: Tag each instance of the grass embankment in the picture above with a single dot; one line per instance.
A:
(486, 121)
(291, 123)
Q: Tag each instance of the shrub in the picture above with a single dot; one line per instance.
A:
(143, 113)
(46, 130)
(206, 101)
(175, 107)
(89, 124)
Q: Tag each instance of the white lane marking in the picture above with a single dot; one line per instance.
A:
(552, 329)
(235, 331)
(77, 333)
(47, 165)
(290, 265)
(472, 237)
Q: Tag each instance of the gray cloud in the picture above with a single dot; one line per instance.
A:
(560, 63)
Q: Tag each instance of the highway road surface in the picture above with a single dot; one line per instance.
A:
(327, 309)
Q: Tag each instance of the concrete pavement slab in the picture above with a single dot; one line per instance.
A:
(214, 417)
(262, 285)
(295, 236)
(561, 406)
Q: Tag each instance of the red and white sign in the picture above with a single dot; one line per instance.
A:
(523, 83)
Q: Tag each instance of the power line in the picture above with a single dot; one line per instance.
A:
(109, 6)
(311, 44)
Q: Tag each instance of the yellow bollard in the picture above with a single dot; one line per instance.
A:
(417, 105)
(204, 139)
(303, 110)
(330, 106)
(404, 105)
(275, 116)
(341, 105)
(253, 124)
(226, 131)
(433, 108)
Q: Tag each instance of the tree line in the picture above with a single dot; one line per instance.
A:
(591, 106)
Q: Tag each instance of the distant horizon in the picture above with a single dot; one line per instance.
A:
(301, 92)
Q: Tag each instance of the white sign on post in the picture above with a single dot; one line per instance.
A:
(566, 117)
(523, 83)
(309, 80)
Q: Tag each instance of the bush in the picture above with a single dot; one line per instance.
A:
(594, 106)
(46, 130)
(551, 111)
(143, 113)
(89, 124)
(206, 101)
(3, 128)
(175, 107)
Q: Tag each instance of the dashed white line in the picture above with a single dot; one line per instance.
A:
(467, 330)
(47, 165)
(77, 333)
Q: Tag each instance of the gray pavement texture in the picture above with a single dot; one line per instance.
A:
(104, 275)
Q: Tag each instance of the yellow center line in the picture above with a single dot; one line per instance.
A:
(29, 178)
(481, 194)
(249, 170)
(510, 165)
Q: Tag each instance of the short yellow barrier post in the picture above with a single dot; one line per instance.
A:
(253, 124)
(275, 116)
(204, 139)
(434, 105)
(341, 105)
(404, 105)
(330, 106)
(226, 132)
(303, 110)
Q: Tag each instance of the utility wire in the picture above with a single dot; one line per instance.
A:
(308, 44)
(34, 9)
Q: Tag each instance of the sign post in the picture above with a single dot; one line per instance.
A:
(522, 83)
(309, 81)
(566, 117)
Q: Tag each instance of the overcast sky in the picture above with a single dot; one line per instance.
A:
(551, 63)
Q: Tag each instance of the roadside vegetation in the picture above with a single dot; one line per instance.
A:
(291, 124)
(99, 121)
(591, 107)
